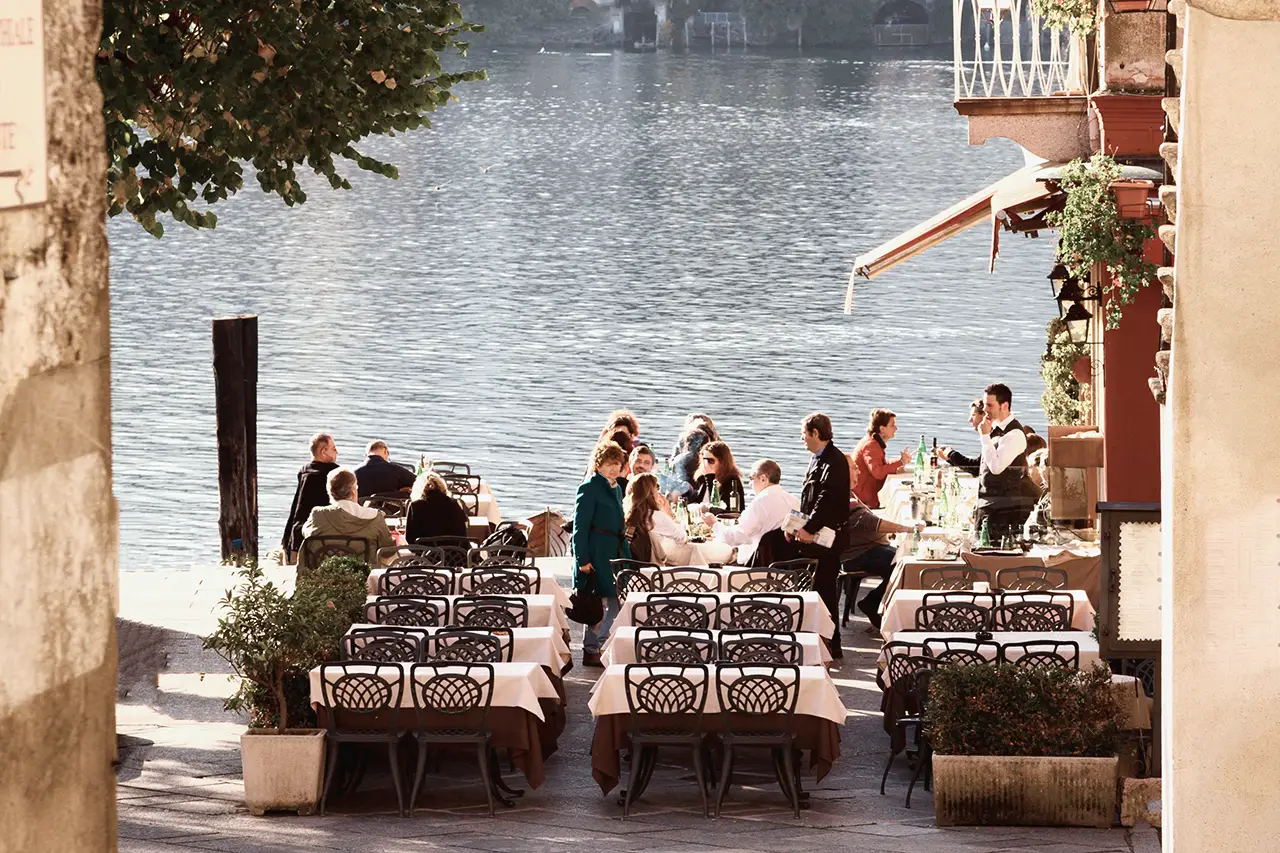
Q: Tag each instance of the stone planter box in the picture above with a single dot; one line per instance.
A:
(282, 772)
(995, 790)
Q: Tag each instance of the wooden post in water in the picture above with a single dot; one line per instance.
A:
(235, 380)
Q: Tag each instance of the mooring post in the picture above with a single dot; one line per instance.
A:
(235, 379)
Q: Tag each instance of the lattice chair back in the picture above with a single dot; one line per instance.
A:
(952, 616)
(762, 612)
(962, 650)
(1042, 654)
(804, 567)
(500, 555)
(499, 580)
(1065, 599)
(418, 581)
(462, 484)
(628, 577)
(675, 610)
(449, 468)
(686, 579)
(390, 505)
(674, 645)
(666, 689)
(470, 503)
(953, 578)
(463, 646)
(409, 611)
(317, 549)
(1032, 616)
(490, 611)
(764, 694)
(381, 645)
(896, 648)
(768, 647)
(361, 696)
(1033, 578)
(452, 699)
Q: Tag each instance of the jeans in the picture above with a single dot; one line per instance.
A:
(877, 561)
(592, 635)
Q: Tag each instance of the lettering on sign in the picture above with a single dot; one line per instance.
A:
(23, 135)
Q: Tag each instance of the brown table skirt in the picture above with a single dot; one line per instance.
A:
(613, 736)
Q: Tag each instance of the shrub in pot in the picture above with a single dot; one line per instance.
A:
(1024, 747)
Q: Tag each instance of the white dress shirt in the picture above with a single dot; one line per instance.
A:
(767, 511)
(998, 453)
(665, 528)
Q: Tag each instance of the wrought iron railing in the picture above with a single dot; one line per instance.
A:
(1002, 50)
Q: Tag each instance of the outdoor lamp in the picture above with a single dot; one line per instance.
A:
(1058, 276)
(1068, 294)
(1078, 319)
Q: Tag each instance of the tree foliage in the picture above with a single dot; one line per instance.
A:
(193, 91)
(1065, 399)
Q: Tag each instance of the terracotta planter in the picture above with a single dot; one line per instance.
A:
(994, 790)
(1131, 198)
(282, 772)
(1131, 125)
(1082, 370)
(1131, 5)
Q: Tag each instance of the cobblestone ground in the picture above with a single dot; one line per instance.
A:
(180, 788)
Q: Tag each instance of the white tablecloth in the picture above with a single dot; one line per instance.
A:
(545, 646)
(621, 647)
(547, 585)
(544, 610)
(816, 618)
(515, 685)
(818, 696)
(692, 553)
(900, 612)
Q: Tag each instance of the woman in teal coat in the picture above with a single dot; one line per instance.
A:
(599, 536)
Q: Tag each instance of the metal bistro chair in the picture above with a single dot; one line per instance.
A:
(900, 649)
(444, 551)
(1031, 616)
(390, 505)
(1034, 578)
(500, 555)
(462, 484)
(1042, 654)
(470, 503)
(767, 580)
(952, 616)
(909, 690)
(675, 610)
(762, 611)
(768, 647)
(381, 645)
(962, 650)
(802, 569)
(686, 579)
(316, 549)
(451, 468)
(758, 707)
(460, 645)
(409, 611)
(361, 701)
(452, 702)
(628, 577)
(665, 702)
(419, 581)
(490, 611)
(499, 580)
(1046, 596)
(674, 645)
(953, 578)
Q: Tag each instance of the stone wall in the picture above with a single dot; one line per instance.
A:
(57, 515)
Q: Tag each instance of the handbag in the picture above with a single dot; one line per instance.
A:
(586, 607)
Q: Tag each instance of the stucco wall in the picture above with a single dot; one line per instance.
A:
(1222, 475)
(57, 515)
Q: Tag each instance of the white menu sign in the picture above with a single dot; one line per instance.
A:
(23, 150)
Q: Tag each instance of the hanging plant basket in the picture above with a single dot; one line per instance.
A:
(1131, 198)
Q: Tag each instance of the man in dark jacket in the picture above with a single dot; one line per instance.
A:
(868, 550)
(377, 474)
(311, 491)
(825, 500)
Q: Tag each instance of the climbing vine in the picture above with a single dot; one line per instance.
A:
(1079, 16)
(1065, 398)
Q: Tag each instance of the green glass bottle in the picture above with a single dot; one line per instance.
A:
(984, 538)
(944, 508)
(921, 464)
(715, 494)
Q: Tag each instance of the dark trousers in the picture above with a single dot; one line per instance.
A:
(826, 582)
(876, 560)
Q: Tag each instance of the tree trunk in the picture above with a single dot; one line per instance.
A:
(235, 372)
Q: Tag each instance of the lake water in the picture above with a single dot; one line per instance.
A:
(669, 233)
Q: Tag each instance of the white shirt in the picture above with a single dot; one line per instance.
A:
(665, 527)
(998, 453)
(767, 511)
(353, 508)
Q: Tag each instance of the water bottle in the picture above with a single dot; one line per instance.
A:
(984, 538)
(715, 494)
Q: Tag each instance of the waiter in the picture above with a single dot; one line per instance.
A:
(825, 500)
(1002, 467)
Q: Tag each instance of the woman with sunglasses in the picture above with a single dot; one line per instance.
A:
(717, 469)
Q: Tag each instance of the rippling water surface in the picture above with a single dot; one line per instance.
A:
(670, 233)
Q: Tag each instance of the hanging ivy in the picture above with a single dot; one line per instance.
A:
(1079, 16)
(1091, 231)
(1065, 399)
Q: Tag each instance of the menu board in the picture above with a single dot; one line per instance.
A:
(23, 148)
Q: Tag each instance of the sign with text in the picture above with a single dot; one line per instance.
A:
(23, 140)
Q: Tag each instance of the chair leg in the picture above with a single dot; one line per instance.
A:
(393, 756)
(920, 766)
(482, 754)
(419, 772)
(884, 778)
(726, 774)
(331, 762)
(637, 757)
(648, 763)
(701, 773)
(792, 792)
(500, 788)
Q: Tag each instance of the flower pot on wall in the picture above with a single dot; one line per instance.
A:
(282, 772)
(1131, 198)
(1082, 369)
(996, 790)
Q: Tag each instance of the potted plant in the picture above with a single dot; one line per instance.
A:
(1067, 370)
(1023, 747)
(1131, 198)
(272, 639)
(1079, 16)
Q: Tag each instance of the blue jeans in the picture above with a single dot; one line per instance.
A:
(592, 635)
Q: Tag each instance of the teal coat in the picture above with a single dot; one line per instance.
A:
(597, 515)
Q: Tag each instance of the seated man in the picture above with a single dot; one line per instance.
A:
(767, 511)
(345, 517)
(378, 475)
(310, 492)
(642, 460)
(868, 550)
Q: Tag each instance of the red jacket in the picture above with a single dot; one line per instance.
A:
(868, 470)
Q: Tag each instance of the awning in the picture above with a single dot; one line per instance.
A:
(1003, 202)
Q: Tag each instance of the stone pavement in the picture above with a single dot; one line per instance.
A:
(180, 789)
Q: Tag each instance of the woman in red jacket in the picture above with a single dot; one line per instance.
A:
(867, 466)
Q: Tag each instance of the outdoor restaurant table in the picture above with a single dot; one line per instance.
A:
(547, 585)
(900, 611)
(819, 715)
(621, 647)
(816, 619)
(544, 610)
(478, 528)
(526, 716)
(694, 553)
(895, 495)
(1081, 561)
(544, 646)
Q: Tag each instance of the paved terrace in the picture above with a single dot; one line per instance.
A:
(180, 789)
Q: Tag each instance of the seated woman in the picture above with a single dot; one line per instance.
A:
(345, 517)
(432, 512)
(697, 432)
(648, 512)
(719, 469)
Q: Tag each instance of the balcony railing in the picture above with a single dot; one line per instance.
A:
(1003, 51)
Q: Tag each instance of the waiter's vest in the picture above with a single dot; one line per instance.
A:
(1008, 489)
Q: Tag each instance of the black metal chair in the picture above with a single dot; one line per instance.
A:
(628, 577)
(1042, 654)
(762, 611)
(1034, 578)
(900, 649)
(381, 645)
(452, 702)
(674, 645)
(500, 555)
(908, 684)
(953, 578)
(985, 600)
(412, 611)
(470, 503)
(758, 708)
(686, 579)
(451, 468)
(767, 647)
(952, 616)
(499, 580)
(962, 650)
(448, 551)
(417, 581)
(767, 580)
(317, 549)
(675, 610)
(803, 569)
(462, 484)
(490, 611)
(390, 505)
(361, 702)
(1042, 597)
(1031, 616)
(460, 645)
(665, 702)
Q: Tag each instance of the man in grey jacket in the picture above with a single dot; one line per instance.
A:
(345, 517)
